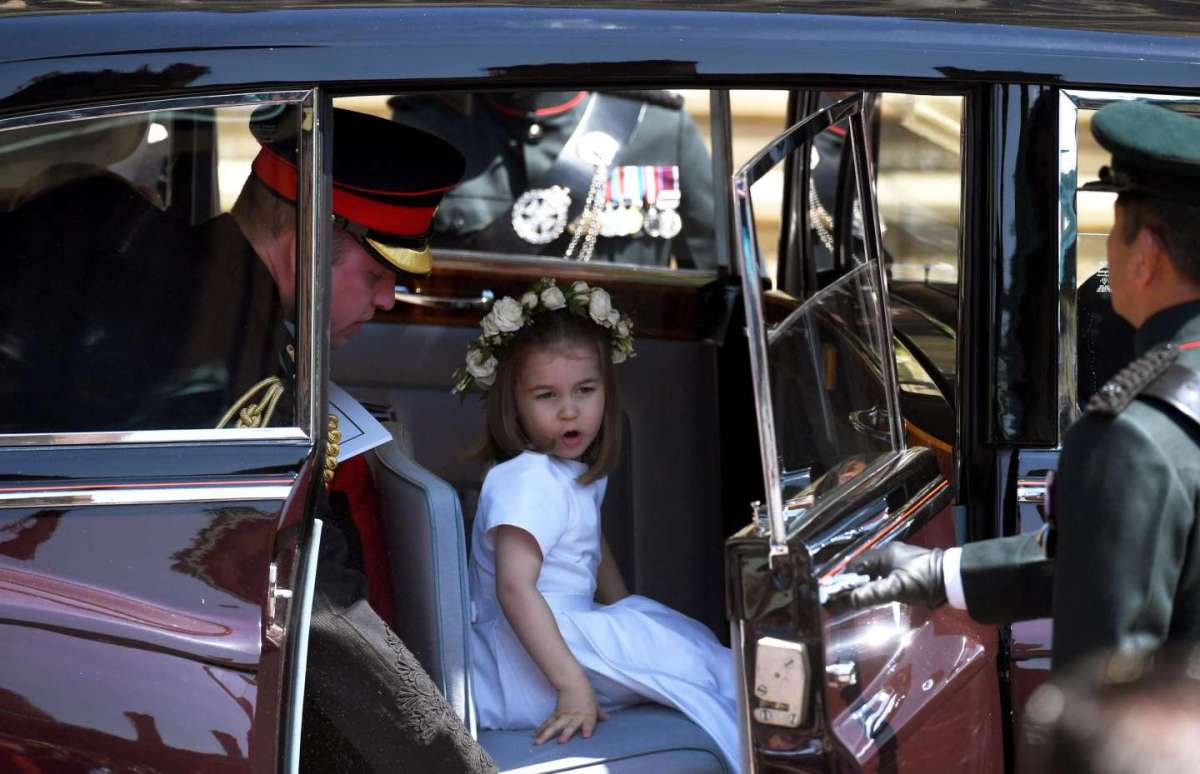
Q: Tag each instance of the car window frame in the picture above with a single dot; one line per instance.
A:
(796, 137)
(312, 275)
(1070, 102)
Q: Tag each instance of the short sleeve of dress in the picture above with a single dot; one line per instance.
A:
(524, 492)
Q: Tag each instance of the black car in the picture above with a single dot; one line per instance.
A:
(901, 311)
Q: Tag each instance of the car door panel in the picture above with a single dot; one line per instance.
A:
(166, 605)
(894, 687)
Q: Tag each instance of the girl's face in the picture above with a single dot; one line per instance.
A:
(560, 399)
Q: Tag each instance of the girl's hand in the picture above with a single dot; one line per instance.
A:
(577, 710)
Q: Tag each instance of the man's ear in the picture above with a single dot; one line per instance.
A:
(1152, 261)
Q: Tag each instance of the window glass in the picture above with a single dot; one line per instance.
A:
(919, 185)
(533, 186)
(830, 399)
(133, 299)
(831, 414)
(758, 116)
(1104, 341)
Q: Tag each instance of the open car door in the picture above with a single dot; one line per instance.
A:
(889, 688)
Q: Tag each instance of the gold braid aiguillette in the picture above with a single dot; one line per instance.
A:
(332, 447)
(255, 407)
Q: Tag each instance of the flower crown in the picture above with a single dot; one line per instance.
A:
(508, 316)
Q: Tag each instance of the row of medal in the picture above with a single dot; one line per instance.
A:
(641, 199)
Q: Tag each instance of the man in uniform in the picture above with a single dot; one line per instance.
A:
(1119, 563)
(369, 706)
(530, 170)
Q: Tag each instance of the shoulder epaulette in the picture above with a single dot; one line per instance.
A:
(1119, 391)
(668, 99)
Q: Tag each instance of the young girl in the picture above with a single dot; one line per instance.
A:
(558, 642)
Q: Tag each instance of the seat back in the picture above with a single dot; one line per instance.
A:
(423, 532)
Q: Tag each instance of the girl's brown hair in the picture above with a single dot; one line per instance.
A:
(555, 330)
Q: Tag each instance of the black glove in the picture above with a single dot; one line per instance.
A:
(906, 574)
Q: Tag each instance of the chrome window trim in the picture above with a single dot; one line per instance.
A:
(309, 361)
(737, 639)
(154, 436)
(721, 132)
(313, 294)
(303, 627)
(1071, 101)
(81, 497)
(135, 107)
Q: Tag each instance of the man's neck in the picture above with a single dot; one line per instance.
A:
(1167, 297)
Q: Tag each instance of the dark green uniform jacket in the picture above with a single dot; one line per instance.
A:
(1126, 571)
(505, 159)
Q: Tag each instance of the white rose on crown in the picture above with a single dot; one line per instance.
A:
(482, 365)
(599, 307)
(508, 315)
(553, 298)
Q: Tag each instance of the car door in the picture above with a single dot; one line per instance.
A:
(895, 687)
(154, 562)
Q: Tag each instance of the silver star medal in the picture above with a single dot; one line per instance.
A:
(539, 216)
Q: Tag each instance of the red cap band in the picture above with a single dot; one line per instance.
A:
(279, 175)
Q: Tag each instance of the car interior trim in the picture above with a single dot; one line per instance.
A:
(505, 264)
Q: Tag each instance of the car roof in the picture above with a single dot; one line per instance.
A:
(51, 52)
(1165, 17)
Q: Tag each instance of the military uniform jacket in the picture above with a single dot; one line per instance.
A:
(505, 159)
(1126, 570)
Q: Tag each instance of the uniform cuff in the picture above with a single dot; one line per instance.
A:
(952, 578)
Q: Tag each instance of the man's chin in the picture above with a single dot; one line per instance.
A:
(340, 337)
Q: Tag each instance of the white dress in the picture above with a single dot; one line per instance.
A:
(633, 650)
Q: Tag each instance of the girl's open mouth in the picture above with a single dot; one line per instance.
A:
(572, 437)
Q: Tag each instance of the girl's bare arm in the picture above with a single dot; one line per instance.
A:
(518, 562)
(610, 586)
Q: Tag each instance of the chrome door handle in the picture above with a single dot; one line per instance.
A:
(481, 303)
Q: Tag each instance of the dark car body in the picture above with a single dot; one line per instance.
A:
(153, 584)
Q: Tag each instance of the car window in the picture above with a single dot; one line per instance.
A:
(132, 298)
(919, 185)
(607, 177)
(1103, 340)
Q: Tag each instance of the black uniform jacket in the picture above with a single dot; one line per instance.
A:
(505, 159)
(1126, 569)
